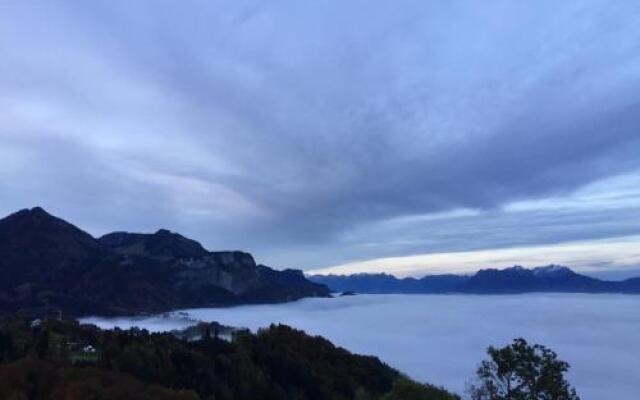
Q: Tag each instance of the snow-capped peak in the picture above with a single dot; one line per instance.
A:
(551, 270)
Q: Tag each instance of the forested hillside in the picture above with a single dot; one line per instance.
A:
(56, 360)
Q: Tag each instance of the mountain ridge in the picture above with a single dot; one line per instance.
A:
(46, 263)
(512, 280)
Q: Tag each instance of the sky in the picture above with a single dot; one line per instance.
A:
(404, 136)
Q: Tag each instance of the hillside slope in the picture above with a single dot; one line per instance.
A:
(51, 362)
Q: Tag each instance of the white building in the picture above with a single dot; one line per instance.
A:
(89, 349)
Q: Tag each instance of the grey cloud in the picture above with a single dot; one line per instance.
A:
(301, 121)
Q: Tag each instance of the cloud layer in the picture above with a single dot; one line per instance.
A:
(317, 134)
(428, 336)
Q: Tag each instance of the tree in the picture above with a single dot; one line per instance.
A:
(6, 346)
(42, 344)
(520, 371)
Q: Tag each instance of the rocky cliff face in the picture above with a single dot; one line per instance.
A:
(194, 267)
(46, 262)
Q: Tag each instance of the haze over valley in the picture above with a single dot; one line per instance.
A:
(429, 336)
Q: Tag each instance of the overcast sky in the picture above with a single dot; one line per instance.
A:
(318, 134)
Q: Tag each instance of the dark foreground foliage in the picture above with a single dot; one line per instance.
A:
(64, 360)
(521, 371)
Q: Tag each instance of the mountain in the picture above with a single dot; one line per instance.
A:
(47, 263)
(32, 240)
(552, 278)
(387, 284)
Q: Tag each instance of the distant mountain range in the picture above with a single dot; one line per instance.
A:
(47, 264)
(552, 278)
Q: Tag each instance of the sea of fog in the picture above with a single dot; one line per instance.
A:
(440, 339)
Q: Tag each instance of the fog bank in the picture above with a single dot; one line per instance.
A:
(441, 339)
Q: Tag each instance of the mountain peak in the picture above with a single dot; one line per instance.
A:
(163, 244)
(37, 210)
(552, 270)
(34, 212)
(34, 240)
(37, 222)
(516, 269)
